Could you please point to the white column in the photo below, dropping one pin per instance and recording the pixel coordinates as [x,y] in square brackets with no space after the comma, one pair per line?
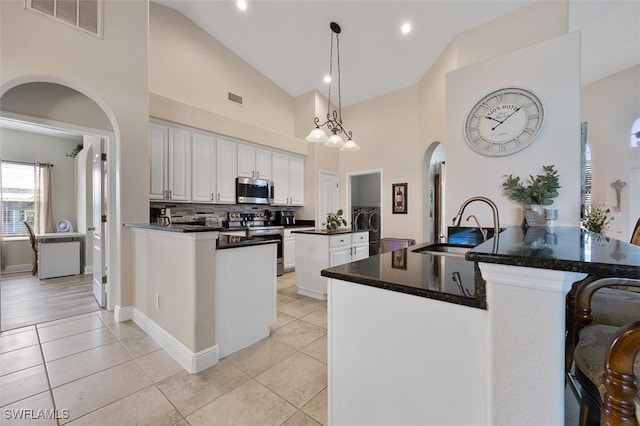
[526,331]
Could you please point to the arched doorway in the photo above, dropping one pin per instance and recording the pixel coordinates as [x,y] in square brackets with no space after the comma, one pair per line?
[433,192]
[54,104]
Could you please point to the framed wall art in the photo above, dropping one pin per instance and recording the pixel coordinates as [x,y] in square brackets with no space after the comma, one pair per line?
[399,197]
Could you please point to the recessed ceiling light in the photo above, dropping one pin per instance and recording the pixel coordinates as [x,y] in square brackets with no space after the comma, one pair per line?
[242,4]
[405,28]
[327,79]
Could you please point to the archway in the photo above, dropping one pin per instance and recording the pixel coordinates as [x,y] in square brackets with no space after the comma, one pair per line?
[433,192]
[58,104]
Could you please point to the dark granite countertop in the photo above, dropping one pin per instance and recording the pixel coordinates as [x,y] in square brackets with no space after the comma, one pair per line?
[176,227]
[325,232]
[230,241]
[419,274]
[562,249]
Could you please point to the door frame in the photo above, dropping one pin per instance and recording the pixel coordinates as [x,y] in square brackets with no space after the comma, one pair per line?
[348,204]
[113,284]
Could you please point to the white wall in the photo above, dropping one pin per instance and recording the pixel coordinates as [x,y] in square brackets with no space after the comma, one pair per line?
[551,70]
[112,71]
[610,106]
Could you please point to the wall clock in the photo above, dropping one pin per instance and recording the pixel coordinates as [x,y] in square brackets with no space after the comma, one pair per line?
[504,122]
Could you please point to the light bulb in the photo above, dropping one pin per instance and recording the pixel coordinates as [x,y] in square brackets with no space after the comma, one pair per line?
[405,28]
[242,4]
[327,79]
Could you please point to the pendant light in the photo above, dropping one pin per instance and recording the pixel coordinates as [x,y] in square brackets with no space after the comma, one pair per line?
[334,119]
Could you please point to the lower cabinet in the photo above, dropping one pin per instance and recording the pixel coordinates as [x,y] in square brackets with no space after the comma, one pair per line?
[290,247]
[318,251]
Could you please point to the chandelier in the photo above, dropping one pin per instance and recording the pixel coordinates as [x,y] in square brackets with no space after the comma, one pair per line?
[334,119]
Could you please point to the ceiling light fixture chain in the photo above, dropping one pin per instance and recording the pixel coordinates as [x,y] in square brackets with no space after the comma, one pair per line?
[334,119]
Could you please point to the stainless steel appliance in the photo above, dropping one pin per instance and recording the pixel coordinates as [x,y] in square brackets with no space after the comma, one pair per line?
[285,218]
[254,225]
[368,219]
[253,191]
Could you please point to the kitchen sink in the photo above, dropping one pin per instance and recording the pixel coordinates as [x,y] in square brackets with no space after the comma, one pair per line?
[445,249]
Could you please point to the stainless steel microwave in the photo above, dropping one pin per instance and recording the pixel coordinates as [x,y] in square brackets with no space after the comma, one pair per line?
[253,191]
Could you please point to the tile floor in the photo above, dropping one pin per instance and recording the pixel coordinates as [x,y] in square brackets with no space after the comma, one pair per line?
[94,371]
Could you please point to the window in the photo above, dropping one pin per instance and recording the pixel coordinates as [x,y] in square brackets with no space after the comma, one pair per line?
[83,14]
[18,201]
[635,134]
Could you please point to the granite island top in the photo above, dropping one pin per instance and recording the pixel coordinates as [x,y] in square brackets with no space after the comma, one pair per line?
[325,232]
[562,249]
[458,280]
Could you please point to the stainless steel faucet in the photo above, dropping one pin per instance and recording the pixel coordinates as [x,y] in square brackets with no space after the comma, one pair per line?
[482,230]
[494,209]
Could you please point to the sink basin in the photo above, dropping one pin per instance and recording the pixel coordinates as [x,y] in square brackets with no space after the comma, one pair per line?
[444,249]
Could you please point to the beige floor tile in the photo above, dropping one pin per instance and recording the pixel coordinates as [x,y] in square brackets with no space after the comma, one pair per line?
[317,349]
[146,407]
[261,356]
[18,339]
[297,379]
[298,334]
[100,389]
[289,291]
[182,422]
[22,384]
[318,318]
[68,328]
[140,345]
[248,404]
[282,319]
[31,407]
[317,407]
[284,299]
[73,367]
[159,365]
[300,419]
[300,307]
[125,329]
[190,392]
[66,346]
[66,319]
[20,359]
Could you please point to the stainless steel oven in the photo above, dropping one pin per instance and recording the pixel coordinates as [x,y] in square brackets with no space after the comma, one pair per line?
[273,233]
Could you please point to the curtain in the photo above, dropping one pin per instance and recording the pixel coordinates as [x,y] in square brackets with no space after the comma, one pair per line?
[42,193]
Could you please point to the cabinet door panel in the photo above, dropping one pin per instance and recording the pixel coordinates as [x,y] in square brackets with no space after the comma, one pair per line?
[179,165]
[263,164]
[226,171]
[280,178]
[296,180]
[340,256]
[158,161]
[203,168]
[246,161]
[289,252]
[360,251]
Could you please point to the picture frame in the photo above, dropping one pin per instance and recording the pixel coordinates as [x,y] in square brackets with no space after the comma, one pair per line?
[399,259]
[399,198]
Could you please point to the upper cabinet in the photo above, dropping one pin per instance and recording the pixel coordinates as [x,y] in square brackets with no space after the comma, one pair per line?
[196,166]
[288,179]
[254,162]
[170,157]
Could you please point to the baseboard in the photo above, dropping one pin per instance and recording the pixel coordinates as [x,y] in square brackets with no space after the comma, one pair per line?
[88,270]
[123,314]
[15,269]
[192,362]
[312,293]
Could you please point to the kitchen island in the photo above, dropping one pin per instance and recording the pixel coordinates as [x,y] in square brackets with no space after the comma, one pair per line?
[195,295]
[404,350]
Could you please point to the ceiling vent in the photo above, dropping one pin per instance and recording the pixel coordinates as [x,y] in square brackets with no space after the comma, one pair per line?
[236,99]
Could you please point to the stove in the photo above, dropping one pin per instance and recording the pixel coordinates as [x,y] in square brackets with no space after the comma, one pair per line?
[257,225]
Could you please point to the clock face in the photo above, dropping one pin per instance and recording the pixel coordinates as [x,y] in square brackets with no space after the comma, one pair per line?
[504,122]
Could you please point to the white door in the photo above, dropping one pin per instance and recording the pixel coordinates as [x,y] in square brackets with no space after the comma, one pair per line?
[99,223]
[329,195]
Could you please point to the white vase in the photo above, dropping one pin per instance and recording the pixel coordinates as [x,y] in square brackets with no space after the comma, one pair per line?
[535,215]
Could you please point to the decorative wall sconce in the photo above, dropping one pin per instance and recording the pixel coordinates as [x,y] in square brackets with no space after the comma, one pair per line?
[618,185]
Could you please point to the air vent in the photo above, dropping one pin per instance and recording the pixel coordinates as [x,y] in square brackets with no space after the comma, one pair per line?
[236,99]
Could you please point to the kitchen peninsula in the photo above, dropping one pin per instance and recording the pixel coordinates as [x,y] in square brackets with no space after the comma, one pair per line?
[491,352]
[195,294]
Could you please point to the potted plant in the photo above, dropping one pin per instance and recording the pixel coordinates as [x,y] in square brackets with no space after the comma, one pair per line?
[335,220]
[538,193]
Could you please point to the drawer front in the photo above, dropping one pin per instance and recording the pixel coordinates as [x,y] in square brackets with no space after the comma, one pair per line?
[339,240]
[360,237]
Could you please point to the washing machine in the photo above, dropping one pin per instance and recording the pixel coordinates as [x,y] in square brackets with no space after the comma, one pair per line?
[372,215]
[359,219]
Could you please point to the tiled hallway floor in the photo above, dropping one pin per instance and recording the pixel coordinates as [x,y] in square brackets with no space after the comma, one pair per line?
[95,371]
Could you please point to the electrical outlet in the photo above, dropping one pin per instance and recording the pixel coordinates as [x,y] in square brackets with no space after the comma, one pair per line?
[157,300]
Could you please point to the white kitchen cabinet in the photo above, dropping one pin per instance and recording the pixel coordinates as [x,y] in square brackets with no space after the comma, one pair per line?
[203,168]
[254,162]
[290,247]
[318,251]
[288,180]
[226,171]
[170,163]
